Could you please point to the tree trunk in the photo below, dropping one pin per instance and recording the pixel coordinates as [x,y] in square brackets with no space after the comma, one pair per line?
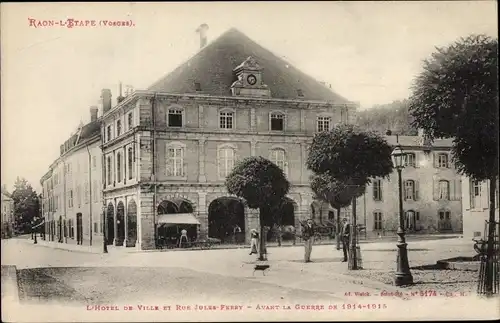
[353,257]
[338,228]
[491,239]
[262,244]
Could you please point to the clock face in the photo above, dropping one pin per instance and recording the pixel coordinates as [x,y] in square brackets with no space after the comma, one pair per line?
[251,79]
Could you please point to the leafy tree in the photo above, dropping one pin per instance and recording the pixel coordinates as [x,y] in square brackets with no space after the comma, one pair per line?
[456,96]
[263,185]
[334,192]
[26,205]
[351,157]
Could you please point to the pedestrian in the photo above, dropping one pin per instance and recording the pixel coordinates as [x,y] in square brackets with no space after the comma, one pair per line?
[346,234]
[236,230]
[183,237]
[308,231]
[254,238]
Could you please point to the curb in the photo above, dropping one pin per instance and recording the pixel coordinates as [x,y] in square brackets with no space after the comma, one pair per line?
[10,284]
[56,246]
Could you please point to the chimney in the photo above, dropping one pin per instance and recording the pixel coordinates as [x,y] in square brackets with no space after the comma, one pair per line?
[106,100]
[120,98]
[202,30]
[93,113]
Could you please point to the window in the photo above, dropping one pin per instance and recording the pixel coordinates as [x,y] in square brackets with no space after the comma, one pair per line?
[86,192]
[197,86]
[226,119]
[377,220]
[377,190]
[95,191]
[300,92]
[118,127]
[226,161]
[323,124]
[477,188]
[110,168]
[130,121]
[410,160]
[175,161]
[279,158]
[444,190]
[70,198]
[411,220]
[108,133]
[409,190]
[119,167]
[175,117]
[130,163]
[95,227]
[277,122]
[443,160]
[94,161]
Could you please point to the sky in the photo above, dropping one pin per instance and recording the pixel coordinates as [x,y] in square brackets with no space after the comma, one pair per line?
[368,51]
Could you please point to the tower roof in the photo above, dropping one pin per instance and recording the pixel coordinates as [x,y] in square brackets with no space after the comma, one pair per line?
[212,67]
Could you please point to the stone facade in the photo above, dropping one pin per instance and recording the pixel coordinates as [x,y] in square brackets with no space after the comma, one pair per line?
[432,193]
[475,203]
[151,175]
[72,189]
[7,215]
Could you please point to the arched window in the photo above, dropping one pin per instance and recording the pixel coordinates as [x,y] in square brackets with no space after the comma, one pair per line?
[278,156]
[444,190]
[175,160]
[226,119]
[119,167]
[226,156]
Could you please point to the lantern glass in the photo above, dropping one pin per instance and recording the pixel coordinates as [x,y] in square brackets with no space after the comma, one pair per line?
[398,157]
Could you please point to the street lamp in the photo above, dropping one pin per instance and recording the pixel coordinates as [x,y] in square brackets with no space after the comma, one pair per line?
[104,242]
[34,224]
[403,274]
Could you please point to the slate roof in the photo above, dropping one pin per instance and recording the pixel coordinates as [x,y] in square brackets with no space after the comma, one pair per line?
[415,141]
[213,66]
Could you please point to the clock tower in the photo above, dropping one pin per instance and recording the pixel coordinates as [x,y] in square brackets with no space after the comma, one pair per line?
[249,83]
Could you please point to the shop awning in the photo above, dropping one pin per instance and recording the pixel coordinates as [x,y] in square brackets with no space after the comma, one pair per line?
[177,218]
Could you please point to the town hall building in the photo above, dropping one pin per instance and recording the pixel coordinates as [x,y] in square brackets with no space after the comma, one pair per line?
[168,149]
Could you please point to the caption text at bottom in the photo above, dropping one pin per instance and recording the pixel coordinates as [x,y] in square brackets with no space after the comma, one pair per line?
[223,307]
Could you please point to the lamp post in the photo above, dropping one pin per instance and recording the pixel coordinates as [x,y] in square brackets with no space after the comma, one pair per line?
[403,274]
[34,224]
[104,236]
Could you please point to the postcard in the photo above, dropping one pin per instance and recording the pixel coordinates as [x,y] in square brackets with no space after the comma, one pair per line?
[248,161]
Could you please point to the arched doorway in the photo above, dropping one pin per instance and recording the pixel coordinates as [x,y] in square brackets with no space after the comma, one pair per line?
[169,233]
[131,224]
[285,220]
[226,220]
[120,224]
[110,230]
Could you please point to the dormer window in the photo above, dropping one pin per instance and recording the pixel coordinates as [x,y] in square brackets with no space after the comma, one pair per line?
[197,86]
[175,117]
[300,93]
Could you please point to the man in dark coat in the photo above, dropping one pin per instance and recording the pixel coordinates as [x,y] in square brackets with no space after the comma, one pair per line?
[345,235]
[308,230]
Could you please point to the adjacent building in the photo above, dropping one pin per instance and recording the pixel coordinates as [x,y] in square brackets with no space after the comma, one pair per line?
[476,206]
[168,149]
[432,192]
[72,191]
[7,214]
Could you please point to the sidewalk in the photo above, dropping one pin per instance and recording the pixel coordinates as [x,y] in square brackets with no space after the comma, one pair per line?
[69,246]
